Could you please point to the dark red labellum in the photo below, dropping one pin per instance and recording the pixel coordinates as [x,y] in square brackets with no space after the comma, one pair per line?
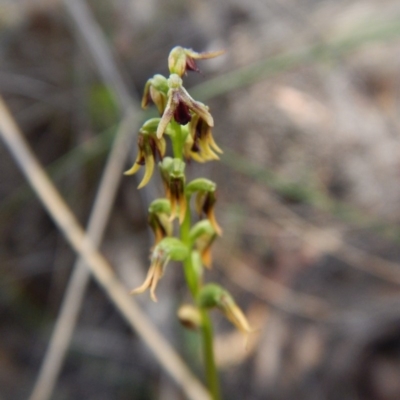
[181,114]
[191,65]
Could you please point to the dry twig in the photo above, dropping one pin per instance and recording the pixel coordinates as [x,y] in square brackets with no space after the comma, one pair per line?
[74,294]
[95,42]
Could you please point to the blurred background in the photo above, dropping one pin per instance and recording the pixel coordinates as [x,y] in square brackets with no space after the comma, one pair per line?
[306,106]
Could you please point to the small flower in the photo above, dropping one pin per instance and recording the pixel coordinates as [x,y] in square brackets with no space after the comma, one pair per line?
[159,219]
[213,295]
[205,202]
[150,148]
[168,249]
[205,199]
[156,89]
[173,176]
[200,144]
[159,261]
[181,60]
[181,106]
[202,235]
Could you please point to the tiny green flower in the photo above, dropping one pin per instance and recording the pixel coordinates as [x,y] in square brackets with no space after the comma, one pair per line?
[168,249]
[181,106]
[150,147]
[205,202]
[213,295]
[202,235]
[173,176]
[181,60]
[156,89]
[200,144]
[205,199]
[160,219]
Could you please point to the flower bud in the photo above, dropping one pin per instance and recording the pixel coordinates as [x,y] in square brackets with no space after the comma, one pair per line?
[189,316]
[181,60]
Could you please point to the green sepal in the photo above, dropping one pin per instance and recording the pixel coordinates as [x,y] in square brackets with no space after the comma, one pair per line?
[174,248]
[201,228]
[156,90]
[210,296]
[166,164]
[178,168]
[173,167]
[174,82]
[160,82]
[150,126]
[200,185]
[160,206]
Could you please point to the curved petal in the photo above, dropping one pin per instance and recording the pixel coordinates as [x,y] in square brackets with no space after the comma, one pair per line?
[147,282]
[135,168]
[146,94]
[214,145]
[166,117]
[149,165]
[196,106]
[204,55]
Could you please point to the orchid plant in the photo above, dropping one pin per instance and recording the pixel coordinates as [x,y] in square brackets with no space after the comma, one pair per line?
[188,124]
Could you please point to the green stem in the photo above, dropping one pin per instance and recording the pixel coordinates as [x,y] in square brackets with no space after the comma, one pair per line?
[177,140]
[190,274]
[194,282]
[208,354]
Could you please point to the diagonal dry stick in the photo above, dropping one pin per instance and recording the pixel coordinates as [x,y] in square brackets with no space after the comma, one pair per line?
[95,43]
[98,265]
[74,294]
